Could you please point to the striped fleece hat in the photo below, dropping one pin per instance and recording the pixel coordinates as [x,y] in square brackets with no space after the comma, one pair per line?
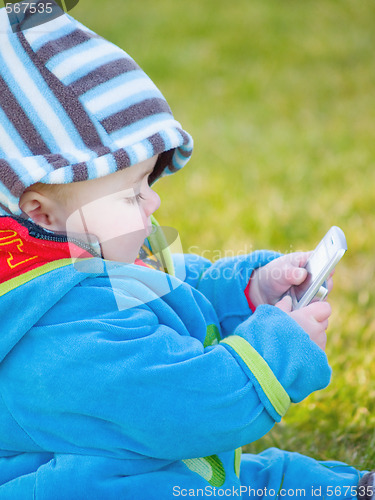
[74,107]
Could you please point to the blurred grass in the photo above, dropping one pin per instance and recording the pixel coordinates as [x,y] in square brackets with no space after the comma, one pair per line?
[279,97]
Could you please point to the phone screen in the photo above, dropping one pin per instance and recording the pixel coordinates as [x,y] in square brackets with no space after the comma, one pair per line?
[314,267]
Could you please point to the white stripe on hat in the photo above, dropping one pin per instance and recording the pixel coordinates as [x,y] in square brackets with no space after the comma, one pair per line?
[49,31]
[141,151]
[173,135]
[123,140]
[58,176]
[119,93]
[89,52]
[32,165]
[102,165]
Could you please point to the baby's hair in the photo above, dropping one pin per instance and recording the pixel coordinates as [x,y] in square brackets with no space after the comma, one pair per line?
[162,162]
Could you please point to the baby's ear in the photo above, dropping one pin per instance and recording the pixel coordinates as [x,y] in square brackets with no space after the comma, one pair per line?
[42,210]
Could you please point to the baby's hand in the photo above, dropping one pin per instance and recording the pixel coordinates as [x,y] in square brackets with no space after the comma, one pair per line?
[312,318]
[270,282]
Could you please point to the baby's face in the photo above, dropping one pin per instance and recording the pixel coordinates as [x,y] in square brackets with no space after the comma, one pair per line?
[116,209]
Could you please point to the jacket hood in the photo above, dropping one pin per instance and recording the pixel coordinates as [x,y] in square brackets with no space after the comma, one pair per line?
[74,107]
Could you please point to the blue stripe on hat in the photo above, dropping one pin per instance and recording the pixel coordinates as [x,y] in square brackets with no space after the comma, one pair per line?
[12,135]
[167,140]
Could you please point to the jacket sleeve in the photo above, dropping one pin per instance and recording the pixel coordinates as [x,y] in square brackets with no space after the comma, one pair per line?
[130,384]
[224,282]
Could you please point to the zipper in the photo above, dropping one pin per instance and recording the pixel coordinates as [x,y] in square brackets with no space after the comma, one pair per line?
[63,239]
[41,234]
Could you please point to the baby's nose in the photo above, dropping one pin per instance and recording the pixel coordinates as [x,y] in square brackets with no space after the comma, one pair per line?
[153,202]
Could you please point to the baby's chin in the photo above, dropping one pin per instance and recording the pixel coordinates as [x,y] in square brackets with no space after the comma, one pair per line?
[124,249]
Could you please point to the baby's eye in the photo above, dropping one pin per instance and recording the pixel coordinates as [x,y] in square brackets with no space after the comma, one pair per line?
[134,199]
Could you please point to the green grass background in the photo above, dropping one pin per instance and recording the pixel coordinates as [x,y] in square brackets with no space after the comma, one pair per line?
[279,97]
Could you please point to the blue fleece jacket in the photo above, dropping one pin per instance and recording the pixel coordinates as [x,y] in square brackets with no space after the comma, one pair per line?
[101,369]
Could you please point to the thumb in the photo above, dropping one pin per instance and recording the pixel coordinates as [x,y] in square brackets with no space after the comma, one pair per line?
[285,304]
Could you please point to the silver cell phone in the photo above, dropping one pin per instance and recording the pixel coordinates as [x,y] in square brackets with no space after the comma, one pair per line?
[319,266]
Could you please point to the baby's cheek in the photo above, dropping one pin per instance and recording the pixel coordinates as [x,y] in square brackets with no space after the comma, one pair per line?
[134,218]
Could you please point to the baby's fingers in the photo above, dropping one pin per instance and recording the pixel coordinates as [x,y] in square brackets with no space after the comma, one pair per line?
[299,259]
[320,311]
[290,268]
[285,304]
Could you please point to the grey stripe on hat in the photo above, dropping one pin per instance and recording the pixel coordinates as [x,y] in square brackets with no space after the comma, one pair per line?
[54,47]
[122,158]
[21,122]
[102,75]
[80,172]
[70,103]
[132,114]
[186,139]
[10,179]
[57,160]
[157,143]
